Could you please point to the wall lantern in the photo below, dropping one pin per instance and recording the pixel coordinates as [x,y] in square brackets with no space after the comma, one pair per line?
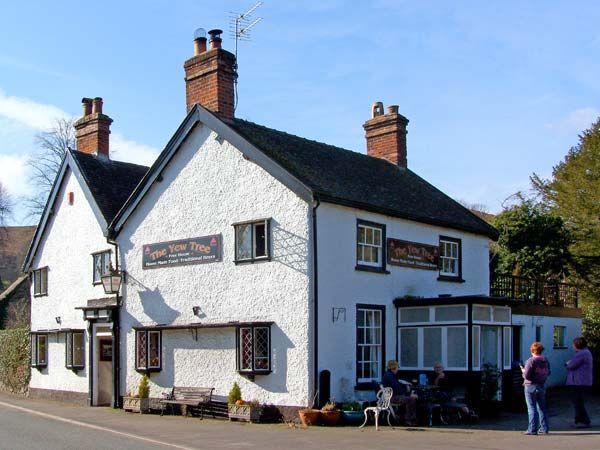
[112,281]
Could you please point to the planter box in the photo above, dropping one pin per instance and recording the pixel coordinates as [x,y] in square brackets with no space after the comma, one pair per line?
[135,404]
[245,413]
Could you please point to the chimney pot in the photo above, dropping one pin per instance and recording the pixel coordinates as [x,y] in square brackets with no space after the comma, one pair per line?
[376,109]
[386,134]
[393,109]
[199,41]
[87,106]
[215,38]
[97,105]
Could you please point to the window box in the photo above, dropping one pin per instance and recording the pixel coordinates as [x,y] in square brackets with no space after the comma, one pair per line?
[39,350]
[148,351]
[100,266]
[75,350]
[450,259]
[370,248]
[252,241]
[40,282]
[253,350]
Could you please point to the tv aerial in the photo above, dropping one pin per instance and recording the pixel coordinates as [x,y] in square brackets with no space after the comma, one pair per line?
[240,26]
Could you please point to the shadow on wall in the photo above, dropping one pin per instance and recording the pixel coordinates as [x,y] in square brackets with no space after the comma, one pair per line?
[153,303]
[289,249]
[276,381]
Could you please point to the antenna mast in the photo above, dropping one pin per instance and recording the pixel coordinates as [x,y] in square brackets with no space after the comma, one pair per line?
[240,26]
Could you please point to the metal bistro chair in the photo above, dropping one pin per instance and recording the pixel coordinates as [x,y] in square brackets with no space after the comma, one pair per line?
[384,398]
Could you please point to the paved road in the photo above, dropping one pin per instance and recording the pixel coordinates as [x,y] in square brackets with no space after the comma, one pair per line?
[36,424]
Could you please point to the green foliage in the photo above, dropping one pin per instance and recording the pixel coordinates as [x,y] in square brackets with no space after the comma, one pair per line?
[591,325]
[235,394]
[490,382]
[351,406]
[573,192]
[533,242]
[144,388]
[14,359]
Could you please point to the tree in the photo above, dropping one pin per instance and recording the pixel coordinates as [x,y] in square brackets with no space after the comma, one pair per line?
[573,193]
[6,205]
[45,163]
[533,242]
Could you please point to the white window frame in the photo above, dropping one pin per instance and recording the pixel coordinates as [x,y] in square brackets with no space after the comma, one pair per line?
[105,261]
[492,321]
[372,327]
[40,282]
[421,347]
[380,253]
[452,243]
[563,335]
[432,315]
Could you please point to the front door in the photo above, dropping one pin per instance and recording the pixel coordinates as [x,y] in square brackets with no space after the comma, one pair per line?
[105,372]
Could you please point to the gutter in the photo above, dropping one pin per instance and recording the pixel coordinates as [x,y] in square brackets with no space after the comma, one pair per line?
[315,301]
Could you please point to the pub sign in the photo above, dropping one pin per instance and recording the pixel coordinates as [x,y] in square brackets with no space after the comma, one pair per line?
[412,254]
[200,250]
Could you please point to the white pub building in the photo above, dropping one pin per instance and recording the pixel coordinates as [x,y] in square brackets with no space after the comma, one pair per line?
[249,255]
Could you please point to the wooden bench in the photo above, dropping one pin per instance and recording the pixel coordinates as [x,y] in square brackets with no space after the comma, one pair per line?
[195,397]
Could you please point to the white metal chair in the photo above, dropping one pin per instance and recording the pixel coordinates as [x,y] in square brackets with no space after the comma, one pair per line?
[384,398]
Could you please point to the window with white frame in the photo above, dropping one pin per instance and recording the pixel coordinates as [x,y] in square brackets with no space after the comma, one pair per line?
[40,282]
[75,350]
[476,347]
[39,350]
[100,265]
[252,241]
[450,257]
[507,347]
[254,349]
[559,337]
[369,342]
[148,350]
[491,314]
[433,314]
[370,249]
[422,347]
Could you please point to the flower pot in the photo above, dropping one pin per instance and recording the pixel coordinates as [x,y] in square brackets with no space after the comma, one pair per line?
[246,413]
[353,417]
[331,418]
[136,404]
[309,417]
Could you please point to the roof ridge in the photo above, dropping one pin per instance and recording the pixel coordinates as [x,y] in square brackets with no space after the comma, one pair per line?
[105,160]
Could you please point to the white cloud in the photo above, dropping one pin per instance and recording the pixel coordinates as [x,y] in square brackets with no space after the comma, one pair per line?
[12,174]
[28,112]
[576,121]
[123,149]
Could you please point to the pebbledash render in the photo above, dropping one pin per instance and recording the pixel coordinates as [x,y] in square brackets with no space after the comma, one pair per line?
[249,255]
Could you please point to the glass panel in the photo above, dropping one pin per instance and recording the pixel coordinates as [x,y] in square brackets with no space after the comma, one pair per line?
[377,318]
[450,313]
[41,349]
[78,349]
[105,263]
[97,268]
[408,347]
[457,347]
[361,234]
[245,349]
[141,350]
[261,348]
[359,252]
[432,346]
[368,317]
[489,346]
[507,347]
[154,349]
[377,237]
[501,314]
[369,235]
[482,313]
[33,349]
[69,348]
[243,243]
[476,343]
[360,317]
[260,240]
[411,315]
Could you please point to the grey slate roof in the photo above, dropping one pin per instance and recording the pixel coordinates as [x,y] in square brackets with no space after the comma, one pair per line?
[110,182]
[344,177]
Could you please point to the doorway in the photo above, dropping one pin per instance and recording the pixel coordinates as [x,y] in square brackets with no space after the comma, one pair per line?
[103,373]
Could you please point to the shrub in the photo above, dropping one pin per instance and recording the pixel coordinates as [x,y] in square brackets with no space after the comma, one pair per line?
[14,359]
[235,394]
[144,389]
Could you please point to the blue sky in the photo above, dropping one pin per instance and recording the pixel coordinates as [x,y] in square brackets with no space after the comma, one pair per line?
[493,90]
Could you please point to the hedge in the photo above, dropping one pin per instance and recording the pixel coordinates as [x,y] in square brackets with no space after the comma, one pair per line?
[14,360]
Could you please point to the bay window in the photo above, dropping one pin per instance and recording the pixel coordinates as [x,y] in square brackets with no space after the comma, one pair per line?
[148,350]
[254,349]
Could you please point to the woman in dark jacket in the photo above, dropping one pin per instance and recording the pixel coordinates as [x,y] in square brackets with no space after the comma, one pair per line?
[580,376]
[535,373]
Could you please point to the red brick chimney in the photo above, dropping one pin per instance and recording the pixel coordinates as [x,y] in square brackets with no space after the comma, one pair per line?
[386,134]
[93,129]
[210,75]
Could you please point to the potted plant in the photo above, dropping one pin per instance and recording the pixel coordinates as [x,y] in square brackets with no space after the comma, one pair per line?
[490,388]
[238,409]
[310,416]
[138,403]
[352,413]
[330,414]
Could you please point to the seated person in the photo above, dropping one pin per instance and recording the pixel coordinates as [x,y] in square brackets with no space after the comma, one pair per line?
[402,393]
[445,394]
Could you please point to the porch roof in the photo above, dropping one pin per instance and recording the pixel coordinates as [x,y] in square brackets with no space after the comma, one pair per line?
[196,325]
[402,302]
[56,331]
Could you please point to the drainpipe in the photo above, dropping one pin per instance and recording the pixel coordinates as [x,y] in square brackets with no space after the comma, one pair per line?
[315,299]
[116,355]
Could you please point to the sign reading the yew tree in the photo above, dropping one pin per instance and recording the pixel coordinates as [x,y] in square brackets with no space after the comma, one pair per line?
[412,254]
[198,250]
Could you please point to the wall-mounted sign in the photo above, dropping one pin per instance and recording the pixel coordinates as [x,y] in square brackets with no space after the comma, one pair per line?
[198,250]
[412,254]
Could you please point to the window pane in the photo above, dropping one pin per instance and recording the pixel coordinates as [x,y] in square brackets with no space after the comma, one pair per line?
[454,250]
[245,349]
[33,349]
[69,348]
[141,350]
[260,242]
[359,252]
[41,349]
[105,263]
[154,349]
[482,313]
[97,268]
[377,318]
[432,346]
[411,315]
[489,346]
[507,347]
[476,343]
[360,317]
[457,347]
[501,314]
[261,348]
[44,281]
[361,235]
[78,349]
[408,347]
[450,313]
[369,236]
[377,237]
[244,242]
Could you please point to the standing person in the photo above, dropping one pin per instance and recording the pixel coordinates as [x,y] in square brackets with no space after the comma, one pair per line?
[580,369]
[402,394]
[535,373]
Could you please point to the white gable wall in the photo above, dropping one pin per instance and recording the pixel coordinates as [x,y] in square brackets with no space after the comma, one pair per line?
[206,187]
[72,234]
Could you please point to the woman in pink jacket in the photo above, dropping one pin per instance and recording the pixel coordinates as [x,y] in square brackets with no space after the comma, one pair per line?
[580,369]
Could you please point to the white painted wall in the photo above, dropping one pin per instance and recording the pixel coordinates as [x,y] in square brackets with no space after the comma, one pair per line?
[207,187]
[557,356]
[71,236]
[340,285]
